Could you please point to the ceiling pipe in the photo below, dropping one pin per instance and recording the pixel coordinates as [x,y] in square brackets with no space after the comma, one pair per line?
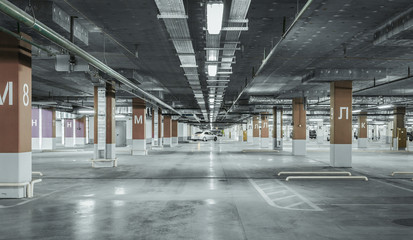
[264,62]
[20,37]
[21,16]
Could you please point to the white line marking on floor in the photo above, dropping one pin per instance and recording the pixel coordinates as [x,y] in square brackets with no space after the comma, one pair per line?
[282,198]
[33,199]
[294,204]
[270,193]
[316,208]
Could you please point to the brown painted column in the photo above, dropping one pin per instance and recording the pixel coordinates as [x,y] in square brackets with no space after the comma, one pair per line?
[160,128]
[256,129]
[167,131]
[174,132]
[277,132]
[341,132]
[362,133]
[15,115]
[399,130]
[138,126]
[299,127]
[110,121]
[265,131]
[96,124]
[104,127]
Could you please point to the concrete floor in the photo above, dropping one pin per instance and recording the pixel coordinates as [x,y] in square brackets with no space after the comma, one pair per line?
[213,190]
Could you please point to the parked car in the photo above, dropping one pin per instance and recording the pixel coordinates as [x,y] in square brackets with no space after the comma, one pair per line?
[217,133]
[204,136]
[313,134]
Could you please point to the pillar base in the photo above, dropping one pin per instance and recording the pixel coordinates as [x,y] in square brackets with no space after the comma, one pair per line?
[69,142]
[110,151]
[80,141]
[299,147]
[396,145]
[277,144]
[129,142]
[15,168]
[174,141]
[340,155]
[256,140]
[167,142]
[265,143]
[139,147]
[36,144]
[48,143]
[388,140]
[362,143]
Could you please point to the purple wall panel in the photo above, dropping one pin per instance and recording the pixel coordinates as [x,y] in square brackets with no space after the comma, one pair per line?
[80,128]
[68,127]
[35,123]
[47,123]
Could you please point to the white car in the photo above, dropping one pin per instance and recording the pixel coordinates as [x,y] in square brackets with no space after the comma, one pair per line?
[204,136]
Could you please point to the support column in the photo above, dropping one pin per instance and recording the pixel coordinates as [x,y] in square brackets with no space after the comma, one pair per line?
[110,121]
[129,130]
[299,128]
[48,124]
[80,131]
[240,133]
[36,133]
[15,115]
[265,132]
[249,131]
[277,132]
[389,133]
[256,129]
[104,127]
[399,131]
[68,132]
[167,124]
[362,134]
[341,133]
[138,127]
[320,132]
[174,132]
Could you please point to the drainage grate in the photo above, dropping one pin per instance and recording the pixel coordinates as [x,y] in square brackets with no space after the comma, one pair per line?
[404,222]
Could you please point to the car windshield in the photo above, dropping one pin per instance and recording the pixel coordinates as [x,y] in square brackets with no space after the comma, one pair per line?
[198,132]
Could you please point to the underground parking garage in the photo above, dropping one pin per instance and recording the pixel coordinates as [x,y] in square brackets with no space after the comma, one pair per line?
[206,119]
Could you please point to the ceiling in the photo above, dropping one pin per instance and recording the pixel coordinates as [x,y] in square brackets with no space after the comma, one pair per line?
[280,50]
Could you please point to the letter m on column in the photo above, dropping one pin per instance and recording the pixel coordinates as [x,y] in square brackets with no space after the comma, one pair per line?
[8,90]
[138,120]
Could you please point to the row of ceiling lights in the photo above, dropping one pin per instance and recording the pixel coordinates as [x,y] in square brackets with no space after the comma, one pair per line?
[215,12]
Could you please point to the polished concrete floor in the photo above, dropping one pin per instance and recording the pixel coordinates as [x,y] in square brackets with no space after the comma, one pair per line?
[214,190]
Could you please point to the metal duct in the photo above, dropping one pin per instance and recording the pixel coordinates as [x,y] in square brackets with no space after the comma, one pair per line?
[174,16]
[236,23]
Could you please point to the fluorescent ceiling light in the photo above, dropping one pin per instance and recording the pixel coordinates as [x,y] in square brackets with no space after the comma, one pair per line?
[120,116]
[86,111]
[384,106]
[211,100]
[316,119]
[212,70]
[215,11]
[356,111]
[213,55]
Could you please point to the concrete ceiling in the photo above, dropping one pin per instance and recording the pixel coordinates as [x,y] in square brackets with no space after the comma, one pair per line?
[369,42]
